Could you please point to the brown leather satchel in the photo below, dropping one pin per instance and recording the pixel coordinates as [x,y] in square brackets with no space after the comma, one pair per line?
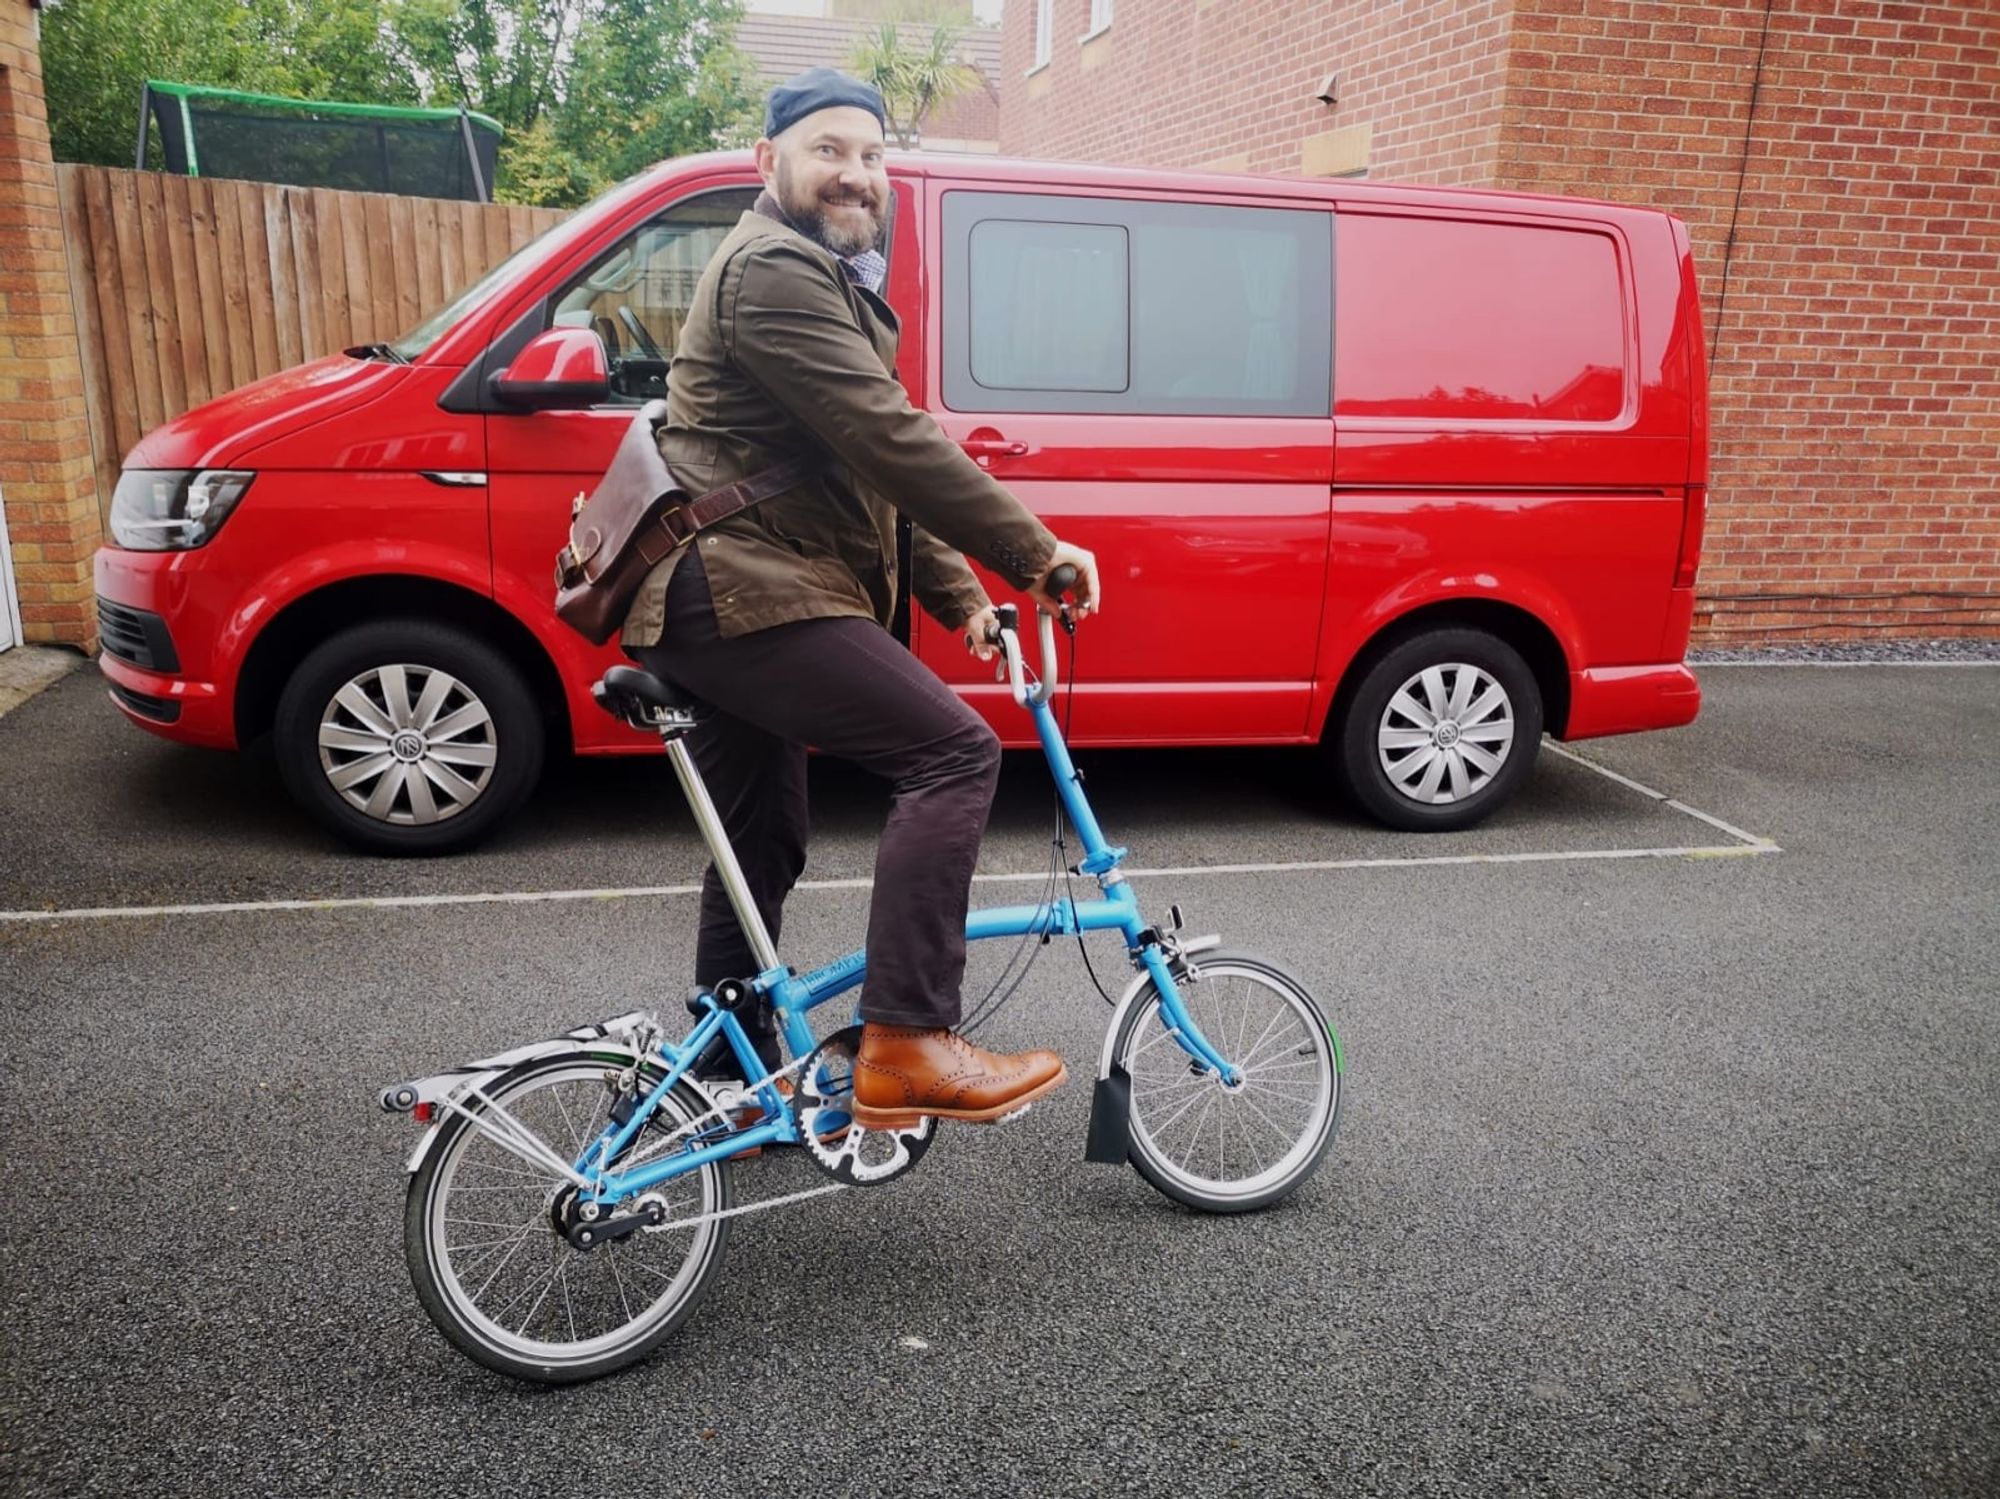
[639,513]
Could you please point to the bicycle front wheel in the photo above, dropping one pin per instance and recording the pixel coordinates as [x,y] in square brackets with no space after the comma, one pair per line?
[1220,1147]
[482,1230]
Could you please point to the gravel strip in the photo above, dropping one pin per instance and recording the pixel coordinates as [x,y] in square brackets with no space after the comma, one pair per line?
[1959,652]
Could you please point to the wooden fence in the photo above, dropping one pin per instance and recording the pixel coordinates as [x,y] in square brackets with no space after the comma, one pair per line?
[188,287]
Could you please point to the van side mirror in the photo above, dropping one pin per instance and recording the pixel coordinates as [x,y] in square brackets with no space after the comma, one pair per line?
[563,369]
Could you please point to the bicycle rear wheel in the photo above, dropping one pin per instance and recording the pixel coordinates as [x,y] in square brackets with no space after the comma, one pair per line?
[492,1269]
[1207,1144]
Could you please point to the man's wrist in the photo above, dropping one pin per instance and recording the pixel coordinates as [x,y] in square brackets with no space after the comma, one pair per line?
[969,615]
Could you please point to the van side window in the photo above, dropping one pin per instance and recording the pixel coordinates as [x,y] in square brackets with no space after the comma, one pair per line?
[637,295]
[1049,306]
[1118,306]
[1468,320]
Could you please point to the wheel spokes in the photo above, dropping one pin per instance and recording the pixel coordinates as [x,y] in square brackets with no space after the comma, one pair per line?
[522,1282]
[1232,1139]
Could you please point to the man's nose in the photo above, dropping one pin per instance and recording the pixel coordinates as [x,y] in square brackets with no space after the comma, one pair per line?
[853,176]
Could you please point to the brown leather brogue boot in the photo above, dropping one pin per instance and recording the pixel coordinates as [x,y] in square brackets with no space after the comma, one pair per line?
[904,1073]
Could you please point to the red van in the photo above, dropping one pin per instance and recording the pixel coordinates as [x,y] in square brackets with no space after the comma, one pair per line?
[1417,474]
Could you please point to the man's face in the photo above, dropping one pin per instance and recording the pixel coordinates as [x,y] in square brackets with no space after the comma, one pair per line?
[828,175]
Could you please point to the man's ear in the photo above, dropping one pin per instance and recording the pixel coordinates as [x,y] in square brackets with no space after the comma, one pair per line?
[767,159]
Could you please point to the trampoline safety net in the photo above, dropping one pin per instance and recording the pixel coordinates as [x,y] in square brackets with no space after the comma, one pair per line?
[428,153]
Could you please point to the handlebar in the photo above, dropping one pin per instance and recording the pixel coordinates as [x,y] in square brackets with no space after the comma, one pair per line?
[1005,633]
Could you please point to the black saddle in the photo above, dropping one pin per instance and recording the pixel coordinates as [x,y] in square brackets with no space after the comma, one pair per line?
[638,696]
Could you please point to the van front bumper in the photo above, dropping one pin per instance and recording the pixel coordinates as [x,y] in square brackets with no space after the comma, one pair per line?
[1627,699]
[154,649]
[172,707]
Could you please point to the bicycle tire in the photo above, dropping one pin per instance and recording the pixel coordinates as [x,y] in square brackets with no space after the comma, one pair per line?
[466,1169]
[1292,1071]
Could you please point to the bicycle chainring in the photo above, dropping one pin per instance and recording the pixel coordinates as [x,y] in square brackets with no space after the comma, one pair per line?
[844,1150]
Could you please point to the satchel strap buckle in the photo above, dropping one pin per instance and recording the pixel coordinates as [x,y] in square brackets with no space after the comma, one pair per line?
[678,524]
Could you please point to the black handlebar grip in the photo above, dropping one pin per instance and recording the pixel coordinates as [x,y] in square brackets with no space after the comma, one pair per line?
[1060,581]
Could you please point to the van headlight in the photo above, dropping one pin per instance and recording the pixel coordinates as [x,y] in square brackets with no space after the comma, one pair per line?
[173,509]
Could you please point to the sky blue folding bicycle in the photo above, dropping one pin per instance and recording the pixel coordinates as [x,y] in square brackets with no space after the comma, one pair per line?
[571,1199]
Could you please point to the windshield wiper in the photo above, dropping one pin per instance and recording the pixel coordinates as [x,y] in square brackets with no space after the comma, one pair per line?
[377,351]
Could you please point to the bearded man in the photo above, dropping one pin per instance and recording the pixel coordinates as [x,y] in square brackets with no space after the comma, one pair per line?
[777,618]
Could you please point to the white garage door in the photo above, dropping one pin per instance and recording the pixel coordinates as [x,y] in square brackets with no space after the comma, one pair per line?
[10,607]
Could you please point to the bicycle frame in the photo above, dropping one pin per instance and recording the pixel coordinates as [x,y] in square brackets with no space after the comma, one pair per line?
[794,996]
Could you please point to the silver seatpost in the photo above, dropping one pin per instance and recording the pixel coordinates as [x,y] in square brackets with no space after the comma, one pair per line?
[724,857]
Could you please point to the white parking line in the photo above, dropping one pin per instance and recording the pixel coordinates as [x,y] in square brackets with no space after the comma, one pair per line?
[1747,845]
[1760,844]
[645,892]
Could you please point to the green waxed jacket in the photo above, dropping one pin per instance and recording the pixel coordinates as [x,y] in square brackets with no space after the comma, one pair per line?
[782,354]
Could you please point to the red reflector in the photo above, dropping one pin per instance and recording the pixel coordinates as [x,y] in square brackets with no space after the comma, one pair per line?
[422,1113]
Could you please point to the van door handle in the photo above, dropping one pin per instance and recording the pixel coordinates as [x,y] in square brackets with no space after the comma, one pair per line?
[986,448]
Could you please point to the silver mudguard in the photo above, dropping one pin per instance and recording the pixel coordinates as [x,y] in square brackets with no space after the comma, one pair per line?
[1131,997]
[626,1037]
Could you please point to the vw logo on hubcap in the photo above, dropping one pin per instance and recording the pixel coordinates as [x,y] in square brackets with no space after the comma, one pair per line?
[1447,734]
[407,746]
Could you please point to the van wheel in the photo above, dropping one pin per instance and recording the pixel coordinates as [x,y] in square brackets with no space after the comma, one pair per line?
[408,737]
[1441,730]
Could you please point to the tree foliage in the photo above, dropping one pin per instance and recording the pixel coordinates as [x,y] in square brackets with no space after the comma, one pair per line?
[915,73]
[588,91]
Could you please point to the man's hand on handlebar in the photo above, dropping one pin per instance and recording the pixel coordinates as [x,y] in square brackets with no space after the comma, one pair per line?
[1071,571]
[981,633]
[1080,582]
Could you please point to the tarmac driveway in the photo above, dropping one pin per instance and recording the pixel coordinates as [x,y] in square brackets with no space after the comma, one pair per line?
[1669,1165]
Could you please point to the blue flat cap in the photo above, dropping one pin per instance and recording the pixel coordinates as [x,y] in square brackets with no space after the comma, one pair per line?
[816,89]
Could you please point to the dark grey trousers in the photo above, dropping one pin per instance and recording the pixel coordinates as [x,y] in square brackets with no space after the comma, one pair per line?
[848,688]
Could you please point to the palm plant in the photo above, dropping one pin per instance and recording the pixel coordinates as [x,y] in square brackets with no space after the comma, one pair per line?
[914,78]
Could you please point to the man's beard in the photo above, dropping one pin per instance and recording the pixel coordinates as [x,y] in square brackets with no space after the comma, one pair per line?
[808,215]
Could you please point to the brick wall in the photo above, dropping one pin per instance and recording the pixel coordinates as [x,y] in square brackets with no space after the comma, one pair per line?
[1186,83]
[1856,394]
[1856,383]
[45,470]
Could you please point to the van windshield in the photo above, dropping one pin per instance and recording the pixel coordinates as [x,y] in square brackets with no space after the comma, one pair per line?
[432,328]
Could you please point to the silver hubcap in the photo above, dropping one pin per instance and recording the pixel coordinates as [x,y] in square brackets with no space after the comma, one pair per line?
[1445,734]
[407,744]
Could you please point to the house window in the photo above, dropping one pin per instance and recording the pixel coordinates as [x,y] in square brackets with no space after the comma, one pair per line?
[1045,25]
[1100,17]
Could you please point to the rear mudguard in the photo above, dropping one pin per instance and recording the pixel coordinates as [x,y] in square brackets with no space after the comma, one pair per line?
[619,1042]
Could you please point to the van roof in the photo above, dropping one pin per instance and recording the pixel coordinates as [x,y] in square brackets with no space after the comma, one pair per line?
[968,166]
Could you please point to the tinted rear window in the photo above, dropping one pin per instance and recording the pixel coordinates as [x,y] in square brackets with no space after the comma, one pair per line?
[1137,306]
[1443,318]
